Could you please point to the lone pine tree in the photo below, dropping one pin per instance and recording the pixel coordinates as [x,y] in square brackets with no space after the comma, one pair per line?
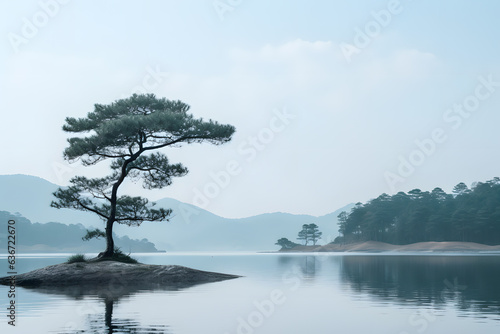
[129,133]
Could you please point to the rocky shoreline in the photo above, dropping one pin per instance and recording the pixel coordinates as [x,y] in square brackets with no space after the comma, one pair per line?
[116,274]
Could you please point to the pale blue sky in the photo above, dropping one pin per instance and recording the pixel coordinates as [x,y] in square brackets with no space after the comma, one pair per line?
[353,121]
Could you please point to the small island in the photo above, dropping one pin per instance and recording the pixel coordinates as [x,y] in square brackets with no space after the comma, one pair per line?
[126,276]
[128,133]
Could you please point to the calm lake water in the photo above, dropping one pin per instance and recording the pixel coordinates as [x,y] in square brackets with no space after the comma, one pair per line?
[279,293]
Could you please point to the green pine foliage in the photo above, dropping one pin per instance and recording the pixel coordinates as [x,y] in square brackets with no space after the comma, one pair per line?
[471,215]
[284,243]
[309,233]
[94,234]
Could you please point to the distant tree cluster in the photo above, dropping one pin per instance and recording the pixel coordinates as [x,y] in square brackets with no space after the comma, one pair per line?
[309,233]
[285,243]
[471,215]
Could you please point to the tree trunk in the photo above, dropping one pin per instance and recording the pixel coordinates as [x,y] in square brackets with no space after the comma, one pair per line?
[110,245]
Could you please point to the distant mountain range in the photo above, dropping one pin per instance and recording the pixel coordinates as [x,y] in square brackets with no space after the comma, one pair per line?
[190,229]
[57,237]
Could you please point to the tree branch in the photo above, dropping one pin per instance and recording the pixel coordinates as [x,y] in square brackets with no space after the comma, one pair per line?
[91,209]
[178,140]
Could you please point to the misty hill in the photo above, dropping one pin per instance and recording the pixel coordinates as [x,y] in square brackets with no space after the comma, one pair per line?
[31,196]
[57,237]
[190,229]
[197,230]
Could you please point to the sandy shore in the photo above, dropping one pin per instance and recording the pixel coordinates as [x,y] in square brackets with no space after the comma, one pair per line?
[377,247]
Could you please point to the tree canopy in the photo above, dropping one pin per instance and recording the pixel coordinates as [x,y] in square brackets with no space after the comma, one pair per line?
[309,233]
[129,132]
[466,215]
[285,243]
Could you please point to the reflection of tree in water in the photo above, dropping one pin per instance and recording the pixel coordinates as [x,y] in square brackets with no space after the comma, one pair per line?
[308,264]
[469,282]
[112,290]
[104,323]
[110,293]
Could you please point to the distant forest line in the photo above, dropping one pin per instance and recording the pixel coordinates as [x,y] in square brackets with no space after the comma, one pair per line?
[471,215]
[49,237]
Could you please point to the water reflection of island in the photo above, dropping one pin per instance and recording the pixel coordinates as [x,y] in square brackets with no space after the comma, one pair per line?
[468,282]
[110,295]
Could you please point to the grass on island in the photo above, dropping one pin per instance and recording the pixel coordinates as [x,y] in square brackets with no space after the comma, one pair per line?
[76,258]
[118,256]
